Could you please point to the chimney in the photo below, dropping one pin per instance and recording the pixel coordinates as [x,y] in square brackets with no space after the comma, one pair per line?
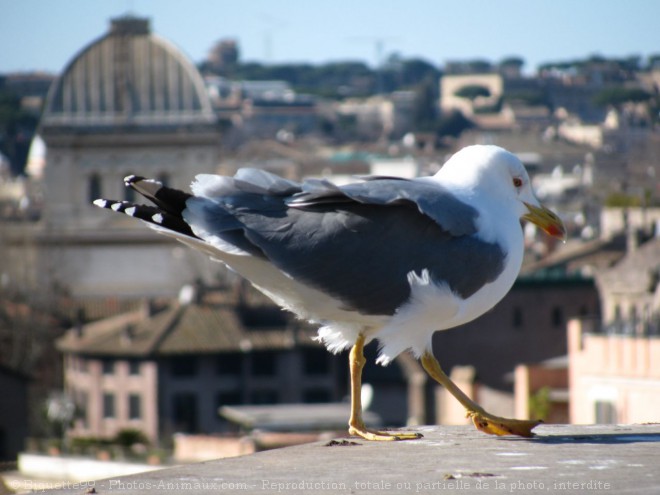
[127,335]
[148,308]
[632,239]
[79,326]
[192,293]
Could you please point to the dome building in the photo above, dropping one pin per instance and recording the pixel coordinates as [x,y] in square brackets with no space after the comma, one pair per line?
[130,102]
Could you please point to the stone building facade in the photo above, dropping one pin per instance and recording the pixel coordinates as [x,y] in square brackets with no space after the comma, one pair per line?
[128,103]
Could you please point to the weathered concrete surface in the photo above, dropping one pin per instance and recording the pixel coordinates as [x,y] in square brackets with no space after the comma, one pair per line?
[561,459]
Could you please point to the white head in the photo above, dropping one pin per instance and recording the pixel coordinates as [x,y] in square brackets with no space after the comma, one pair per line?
[498,174]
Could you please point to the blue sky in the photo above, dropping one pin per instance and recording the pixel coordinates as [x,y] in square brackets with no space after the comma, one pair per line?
[46,34]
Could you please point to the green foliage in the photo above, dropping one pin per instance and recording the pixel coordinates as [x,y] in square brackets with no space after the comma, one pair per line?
[530,97]
[414,70]
[472,91]
[16,129]
[486,109]
[128,437]
[516,62]
[618,96]
[425,112]
[622,200]
[453,124]
[337,79]
[540,404]
[88,444]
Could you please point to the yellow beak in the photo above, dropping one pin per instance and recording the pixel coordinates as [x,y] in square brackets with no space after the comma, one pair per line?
[545,219]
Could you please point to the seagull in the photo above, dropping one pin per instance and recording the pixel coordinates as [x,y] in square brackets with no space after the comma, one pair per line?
[384,258]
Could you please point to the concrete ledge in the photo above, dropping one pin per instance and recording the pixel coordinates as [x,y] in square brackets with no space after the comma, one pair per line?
[76,468]
[562,458]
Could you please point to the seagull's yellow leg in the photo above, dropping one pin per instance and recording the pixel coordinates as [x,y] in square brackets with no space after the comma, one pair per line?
[356,424]
[484,421]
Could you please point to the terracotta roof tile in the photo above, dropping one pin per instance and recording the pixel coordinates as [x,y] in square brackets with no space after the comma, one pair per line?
[180,329]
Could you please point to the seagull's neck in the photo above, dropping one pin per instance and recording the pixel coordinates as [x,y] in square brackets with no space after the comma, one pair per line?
[494,214]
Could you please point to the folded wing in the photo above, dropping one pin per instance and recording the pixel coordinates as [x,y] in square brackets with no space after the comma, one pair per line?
[357,243]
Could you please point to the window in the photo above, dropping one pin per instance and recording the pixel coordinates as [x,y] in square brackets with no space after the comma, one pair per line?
[316,361]
[108,367]
[164,178]
[95,191]
[315,396]
[81,404]
[633,314]
[605,412]
[264,396]
[517,317]
[129,193]
[264,363]
[229,364]
[184,366]
[134,367]
[557,317]
[108,405]
[134,406]
[184,412]
[228,398]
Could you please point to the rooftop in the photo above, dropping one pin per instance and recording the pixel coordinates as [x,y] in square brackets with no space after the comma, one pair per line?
[128,76]
[211,324]
[561,458]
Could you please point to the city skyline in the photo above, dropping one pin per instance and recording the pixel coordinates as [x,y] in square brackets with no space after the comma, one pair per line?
[45,36]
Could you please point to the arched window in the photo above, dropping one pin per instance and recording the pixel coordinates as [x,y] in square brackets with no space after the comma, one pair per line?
[164,178]
[94,189]
[129,193]
[557,317]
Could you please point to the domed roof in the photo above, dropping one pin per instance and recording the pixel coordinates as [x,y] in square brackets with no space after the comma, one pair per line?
[128,76]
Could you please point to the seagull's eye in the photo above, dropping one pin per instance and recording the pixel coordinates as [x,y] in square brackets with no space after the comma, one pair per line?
[517,182]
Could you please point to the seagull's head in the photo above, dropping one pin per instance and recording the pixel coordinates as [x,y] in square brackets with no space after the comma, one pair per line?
[493,172]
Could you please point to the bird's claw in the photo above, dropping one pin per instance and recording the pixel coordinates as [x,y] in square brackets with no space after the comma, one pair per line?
[494,425]
[382,436]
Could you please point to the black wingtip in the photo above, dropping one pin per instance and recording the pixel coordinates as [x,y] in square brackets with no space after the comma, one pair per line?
[149,214]
[132,179]
[170,200]
[149,188]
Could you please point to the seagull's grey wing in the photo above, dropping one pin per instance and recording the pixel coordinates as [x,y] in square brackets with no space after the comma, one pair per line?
[212,212]
[359,248]
[431,199]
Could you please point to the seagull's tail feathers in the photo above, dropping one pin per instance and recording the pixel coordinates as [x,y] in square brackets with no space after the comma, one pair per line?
[170,200]
[156,217]
[167,214]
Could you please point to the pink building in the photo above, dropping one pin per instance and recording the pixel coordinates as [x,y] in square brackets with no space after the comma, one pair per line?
[169,369]
[614,378]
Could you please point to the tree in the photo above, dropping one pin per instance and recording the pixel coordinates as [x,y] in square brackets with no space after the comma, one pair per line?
[425,112]
[516,62]
[415,70]
[618,96]
[453,124]
[16,130]
[472,92]
[511,66]
[530,97]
